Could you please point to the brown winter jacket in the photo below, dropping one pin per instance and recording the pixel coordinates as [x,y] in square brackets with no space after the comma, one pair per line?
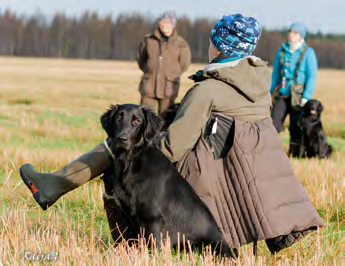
[162,62]
[252,190]
[238,91]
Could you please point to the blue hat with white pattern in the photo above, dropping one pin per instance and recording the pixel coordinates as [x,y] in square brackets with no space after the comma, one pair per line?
[236,36]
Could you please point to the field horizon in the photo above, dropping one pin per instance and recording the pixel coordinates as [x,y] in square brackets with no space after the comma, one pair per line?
[49,115]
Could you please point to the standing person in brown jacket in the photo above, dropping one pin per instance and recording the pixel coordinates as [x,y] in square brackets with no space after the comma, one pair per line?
[163,56]
[225,145]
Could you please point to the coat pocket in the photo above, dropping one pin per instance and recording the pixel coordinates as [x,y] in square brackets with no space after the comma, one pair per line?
[146,86]
[172,86]
[296,95]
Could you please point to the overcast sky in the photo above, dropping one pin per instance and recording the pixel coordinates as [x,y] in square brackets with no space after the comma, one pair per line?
[325,16]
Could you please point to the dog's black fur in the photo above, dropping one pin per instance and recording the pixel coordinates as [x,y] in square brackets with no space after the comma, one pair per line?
[314,140]
[148,190]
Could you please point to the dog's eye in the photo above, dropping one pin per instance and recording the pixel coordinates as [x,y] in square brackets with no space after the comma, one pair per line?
[118,119]
[136,122]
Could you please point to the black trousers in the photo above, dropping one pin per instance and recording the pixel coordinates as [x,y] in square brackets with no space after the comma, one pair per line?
[281,108]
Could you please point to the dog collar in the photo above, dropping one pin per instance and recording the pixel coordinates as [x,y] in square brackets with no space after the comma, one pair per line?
[107,196]
[314,123]
[108,149]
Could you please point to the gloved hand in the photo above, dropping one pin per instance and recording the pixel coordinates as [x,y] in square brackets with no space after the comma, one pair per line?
[303,102]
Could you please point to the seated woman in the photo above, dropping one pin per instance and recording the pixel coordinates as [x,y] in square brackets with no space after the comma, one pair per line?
[251,190]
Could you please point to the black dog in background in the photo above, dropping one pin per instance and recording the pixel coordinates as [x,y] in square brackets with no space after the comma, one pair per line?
[313,139]
[148,192]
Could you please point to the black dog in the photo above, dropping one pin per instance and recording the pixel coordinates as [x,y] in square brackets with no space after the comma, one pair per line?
[314,140]
[148,189]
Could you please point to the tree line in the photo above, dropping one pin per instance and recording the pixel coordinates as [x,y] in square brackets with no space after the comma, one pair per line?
[106,37]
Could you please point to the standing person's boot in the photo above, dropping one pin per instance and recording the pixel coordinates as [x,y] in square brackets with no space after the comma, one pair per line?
[48,188]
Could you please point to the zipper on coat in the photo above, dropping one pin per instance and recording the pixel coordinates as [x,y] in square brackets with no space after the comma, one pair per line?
[160,58]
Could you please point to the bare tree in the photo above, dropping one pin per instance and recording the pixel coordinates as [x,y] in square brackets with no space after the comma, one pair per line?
[92,36]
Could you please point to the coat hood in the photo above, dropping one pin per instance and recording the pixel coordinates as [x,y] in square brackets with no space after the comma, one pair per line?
[249,76]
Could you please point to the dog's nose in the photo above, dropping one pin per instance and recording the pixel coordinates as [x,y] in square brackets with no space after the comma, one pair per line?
[122,138]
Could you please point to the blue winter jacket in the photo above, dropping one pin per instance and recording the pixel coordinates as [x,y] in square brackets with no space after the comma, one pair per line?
[306,74]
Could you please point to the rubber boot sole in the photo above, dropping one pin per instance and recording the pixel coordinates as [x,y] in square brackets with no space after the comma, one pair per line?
[39,197]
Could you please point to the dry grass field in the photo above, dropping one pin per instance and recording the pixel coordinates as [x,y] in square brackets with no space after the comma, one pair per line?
[49,115]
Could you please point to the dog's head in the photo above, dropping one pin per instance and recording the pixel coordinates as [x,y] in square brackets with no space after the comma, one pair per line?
[311,113]
[130,125]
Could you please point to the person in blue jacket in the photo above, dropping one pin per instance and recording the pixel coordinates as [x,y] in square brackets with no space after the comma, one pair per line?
[292,53]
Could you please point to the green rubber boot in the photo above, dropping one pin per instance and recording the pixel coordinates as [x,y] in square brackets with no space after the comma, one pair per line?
[48,188]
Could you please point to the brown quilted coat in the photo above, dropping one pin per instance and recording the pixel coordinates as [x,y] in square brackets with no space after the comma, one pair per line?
[252,192]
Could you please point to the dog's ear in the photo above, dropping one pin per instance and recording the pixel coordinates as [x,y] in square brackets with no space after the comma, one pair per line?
[319,108]
[106,119]
[154,123]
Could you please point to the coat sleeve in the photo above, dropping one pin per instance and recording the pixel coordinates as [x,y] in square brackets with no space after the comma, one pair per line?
[191,118]
[185,56]
[276,79]
[311,71]
[142,56]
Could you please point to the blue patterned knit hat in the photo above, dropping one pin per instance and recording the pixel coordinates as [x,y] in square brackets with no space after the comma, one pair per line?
[236,36]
